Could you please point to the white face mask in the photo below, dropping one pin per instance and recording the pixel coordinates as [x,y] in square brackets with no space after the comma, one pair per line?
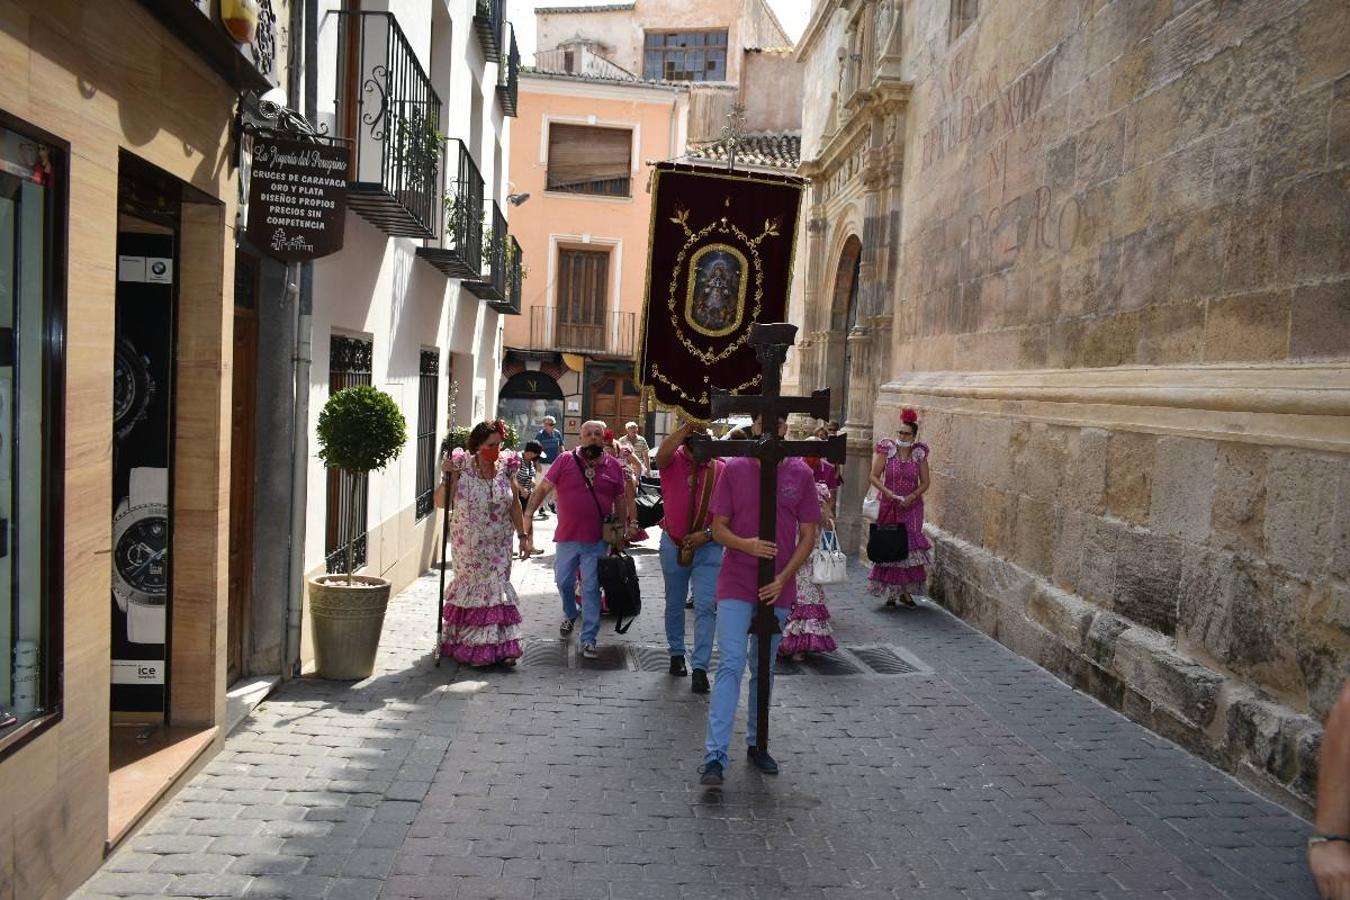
[905,444]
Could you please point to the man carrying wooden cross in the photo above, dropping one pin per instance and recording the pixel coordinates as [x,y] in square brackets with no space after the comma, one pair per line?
[765,513]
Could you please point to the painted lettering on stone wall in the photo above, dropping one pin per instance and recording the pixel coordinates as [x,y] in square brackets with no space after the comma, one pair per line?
[984,109]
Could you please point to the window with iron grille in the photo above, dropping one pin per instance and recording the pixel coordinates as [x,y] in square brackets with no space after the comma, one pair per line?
[349,364]
[685,56]
[426,431]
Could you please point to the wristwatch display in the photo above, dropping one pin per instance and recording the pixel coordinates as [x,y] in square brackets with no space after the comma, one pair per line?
[132,387]
[141,555]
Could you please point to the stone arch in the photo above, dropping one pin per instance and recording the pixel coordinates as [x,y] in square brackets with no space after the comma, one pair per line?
[841,313]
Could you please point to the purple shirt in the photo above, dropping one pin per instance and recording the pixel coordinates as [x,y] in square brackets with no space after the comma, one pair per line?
[578,519]
[827,474]
[676,492]
[737,497]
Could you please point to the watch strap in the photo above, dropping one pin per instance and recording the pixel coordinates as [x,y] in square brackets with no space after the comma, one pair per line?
[145,623]
[1314,839]
[149,485]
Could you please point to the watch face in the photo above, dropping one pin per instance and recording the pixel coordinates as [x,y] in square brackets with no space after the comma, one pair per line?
[142,556]
[132,387]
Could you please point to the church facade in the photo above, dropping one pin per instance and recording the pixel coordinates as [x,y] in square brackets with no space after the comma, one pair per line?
[1101,248]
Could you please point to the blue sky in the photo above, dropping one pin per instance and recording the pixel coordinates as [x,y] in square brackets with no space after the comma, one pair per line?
[794,15]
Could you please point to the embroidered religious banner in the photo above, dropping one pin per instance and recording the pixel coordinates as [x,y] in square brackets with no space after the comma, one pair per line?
[720,260]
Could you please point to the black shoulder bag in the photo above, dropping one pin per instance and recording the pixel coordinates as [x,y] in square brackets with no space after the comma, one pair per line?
[618,576]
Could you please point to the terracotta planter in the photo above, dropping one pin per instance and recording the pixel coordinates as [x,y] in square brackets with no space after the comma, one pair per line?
[347,619]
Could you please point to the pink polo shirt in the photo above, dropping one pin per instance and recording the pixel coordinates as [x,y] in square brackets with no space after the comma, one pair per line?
[677,493]
[578,518]
[737,497]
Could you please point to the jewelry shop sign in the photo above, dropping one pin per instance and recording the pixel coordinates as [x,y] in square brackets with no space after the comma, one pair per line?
[297,198]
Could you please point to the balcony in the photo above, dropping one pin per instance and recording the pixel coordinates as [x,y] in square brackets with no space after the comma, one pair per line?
[387,109]
[459,253]
[515,275]
[508,78]
[488,18]
[493,288]
[605,333]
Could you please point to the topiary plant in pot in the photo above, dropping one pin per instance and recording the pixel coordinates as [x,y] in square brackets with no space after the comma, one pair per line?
[360,430]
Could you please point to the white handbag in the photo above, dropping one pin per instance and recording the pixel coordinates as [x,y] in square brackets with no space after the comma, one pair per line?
[829,565]
[871,508]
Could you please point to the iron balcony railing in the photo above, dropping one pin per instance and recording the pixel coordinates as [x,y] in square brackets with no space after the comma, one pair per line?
[510,306]
[508,77]
[606,333]
[388,110]
[459,253]
[488,17]
[492,288]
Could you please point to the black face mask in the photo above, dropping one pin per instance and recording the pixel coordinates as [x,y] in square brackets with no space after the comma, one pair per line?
[592,451]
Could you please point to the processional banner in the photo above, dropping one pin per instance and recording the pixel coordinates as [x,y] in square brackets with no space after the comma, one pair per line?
[720,260]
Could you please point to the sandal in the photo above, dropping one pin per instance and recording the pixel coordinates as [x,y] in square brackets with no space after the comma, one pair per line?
[511,661]
[890,601]
[907,600]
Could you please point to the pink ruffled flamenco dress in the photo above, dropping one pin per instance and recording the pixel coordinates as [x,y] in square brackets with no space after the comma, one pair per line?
[808,628]
[482,614]
[895,582]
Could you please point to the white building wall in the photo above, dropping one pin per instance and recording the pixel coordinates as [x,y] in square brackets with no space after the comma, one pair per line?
[377,288]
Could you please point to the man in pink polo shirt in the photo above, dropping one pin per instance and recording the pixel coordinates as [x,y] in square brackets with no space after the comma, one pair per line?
[590,486]
[684,482]
[735,509]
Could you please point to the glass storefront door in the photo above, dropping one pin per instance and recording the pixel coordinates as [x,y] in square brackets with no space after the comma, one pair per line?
[28,172]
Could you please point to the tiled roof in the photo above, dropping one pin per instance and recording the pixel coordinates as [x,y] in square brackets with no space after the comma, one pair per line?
[587,9]
[767,149]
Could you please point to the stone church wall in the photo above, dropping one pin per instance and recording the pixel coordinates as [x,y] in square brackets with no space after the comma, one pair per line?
[1124,315]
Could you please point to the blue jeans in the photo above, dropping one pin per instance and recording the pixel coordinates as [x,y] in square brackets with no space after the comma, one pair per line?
[573,555]
[733,623]
[702,575]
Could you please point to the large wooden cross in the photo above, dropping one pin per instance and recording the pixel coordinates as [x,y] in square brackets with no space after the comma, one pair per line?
[771,343]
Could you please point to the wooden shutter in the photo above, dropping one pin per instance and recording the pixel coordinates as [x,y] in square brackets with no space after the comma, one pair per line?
[583,277]
[579,156]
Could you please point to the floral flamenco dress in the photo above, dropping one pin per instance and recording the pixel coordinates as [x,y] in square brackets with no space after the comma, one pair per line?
[808,628]
[481,618]
[892,581]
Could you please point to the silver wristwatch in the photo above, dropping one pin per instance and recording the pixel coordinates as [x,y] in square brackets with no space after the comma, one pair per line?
[140,542]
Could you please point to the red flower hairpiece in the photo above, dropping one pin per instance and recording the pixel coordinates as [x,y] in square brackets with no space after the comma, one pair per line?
[499,426]
[908,416]
[609,436]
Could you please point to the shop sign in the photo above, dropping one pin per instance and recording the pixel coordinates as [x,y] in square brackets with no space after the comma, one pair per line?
[297,198]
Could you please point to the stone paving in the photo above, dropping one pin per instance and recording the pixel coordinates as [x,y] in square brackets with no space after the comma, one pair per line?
[977,776]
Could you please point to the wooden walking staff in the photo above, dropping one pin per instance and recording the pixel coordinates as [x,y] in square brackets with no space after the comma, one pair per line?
[771,343]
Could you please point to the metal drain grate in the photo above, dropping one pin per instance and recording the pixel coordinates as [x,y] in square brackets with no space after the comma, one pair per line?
[834,663]
[868,661]
[884,661]
[545,653]
[651,659]
[611,657]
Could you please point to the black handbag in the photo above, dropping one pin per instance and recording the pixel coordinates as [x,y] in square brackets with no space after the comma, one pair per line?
[887,543]
[650,508]
[619,581]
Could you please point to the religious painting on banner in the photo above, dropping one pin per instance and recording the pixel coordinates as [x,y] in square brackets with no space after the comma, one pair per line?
[720,260]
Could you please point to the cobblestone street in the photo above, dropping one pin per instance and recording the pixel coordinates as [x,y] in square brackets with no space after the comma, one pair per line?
[975,776]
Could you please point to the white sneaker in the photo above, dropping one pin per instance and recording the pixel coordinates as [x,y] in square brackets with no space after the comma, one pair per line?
[588,651]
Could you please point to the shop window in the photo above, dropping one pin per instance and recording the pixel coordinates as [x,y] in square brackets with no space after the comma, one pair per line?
[31,448]
[427,375]
[685,56]
[963,15]
[349,364]
[584,159]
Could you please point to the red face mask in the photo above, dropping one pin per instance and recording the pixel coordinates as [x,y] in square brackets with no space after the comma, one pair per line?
[489,454]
